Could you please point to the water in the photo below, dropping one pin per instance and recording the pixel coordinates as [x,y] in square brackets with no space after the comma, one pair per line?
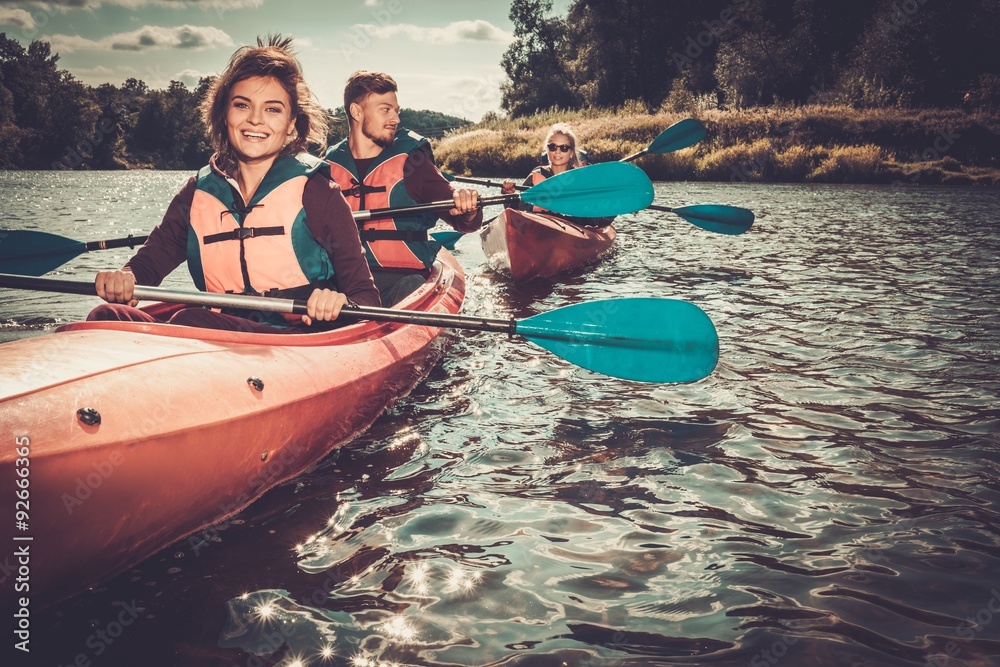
[829,496]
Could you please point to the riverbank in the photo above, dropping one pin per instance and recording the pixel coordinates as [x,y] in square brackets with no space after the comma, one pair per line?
[817,144]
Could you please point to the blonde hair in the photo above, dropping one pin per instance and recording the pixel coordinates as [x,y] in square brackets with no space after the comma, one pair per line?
[564,129]
[272,59]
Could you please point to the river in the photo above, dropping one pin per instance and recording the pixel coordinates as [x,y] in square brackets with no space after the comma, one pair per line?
[830,495]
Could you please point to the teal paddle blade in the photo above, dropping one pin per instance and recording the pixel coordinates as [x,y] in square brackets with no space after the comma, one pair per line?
[717,218]
[646,339]
[596,191]
[32,253]
[680,135]
[447,239]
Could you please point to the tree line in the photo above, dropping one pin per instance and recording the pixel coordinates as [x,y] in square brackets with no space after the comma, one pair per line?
[51,120]
[732,54]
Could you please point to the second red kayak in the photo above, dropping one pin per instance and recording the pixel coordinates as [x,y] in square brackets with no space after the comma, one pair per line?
[535,245]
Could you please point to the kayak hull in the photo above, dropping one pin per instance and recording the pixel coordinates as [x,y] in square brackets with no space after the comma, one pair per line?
[532,245]
[194,425]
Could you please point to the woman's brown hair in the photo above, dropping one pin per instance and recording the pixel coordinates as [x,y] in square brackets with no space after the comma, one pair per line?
[273,59]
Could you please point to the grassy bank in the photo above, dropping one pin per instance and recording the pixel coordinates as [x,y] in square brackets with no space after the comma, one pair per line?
[821,144]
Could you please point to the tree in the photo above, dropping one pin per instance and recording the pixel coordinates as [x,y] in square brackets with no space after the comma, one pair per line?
[109,150]
[922,53]
[537,75]
[54,112]
[825,35]
[10,133]
[621,50]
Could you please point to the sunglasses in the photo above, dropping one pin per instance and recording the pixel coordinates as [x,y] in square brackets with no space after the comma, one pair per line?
[562,147]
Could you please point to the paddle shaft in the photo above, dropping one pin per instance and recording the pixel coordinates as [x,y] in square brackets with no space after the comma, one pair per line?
[498,184]
[359,216]
[634,156]
[432,207]
[487,183]
[127,242]
[249,302]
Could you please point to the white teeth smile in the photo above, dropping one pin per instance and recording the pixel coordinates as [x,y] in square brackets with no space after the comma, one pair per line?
[254,135]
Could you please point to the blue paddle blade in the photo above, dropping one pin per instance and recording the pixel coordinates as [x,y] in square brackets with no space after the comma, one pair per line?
[596,191]
[680,135]
[646,339]
[717,218]
[447,239]
[33,253]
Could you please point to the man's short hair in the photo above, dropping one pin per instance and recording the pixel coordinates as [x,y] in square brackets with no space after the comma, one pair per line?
[363,83]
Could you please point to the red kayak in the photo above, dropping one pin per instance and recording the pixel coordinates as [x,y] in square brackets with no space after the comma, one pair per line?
[534,245]
[133,436]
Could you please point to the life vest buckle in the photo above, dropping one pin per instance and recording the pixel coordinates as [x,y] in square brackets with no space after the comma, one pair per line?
[362,189]
[240,233]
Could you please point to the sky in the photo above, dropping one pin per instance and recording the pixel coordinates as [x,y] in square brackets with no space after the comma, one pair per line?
[445,55]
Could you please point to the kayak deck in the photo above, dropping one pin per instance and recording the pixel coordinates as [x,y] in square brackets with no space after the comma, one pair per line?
[534,245]
[194,424]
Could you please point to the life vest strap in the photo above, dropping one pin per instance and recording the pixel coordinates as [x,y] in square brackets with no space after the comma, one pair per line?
[241,233]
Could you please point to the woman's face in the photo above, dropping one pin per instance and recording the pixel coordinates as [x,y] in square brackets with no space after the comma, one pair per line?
[557,157]
[259,121]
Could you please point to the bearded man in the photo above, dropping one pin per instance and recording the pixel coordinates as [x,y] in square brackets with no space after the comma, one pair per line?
[380,165]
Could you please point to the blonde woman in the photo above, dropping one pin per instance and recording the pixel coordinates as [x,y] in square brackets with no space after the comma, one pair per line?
[560,147]
[563,153]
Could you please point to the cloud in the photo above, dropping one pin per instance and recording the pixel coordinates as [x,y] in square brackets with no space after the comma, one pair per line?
[190,77]
[70,43]
[18,18]
[147,38]
[99,71]
[177,37]
[459,31]
[466,96]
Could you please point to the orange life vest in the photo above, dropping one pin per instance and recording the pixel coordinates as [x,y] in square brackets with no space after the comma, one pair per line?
[400,242]
[262,246]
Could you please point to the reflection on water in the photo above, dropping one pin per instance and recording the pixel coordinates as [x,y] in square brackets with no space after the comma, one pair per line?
[829,496]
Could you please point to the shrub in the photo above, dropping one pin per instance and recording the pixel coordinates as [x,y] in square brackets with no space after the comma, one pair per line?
[741,162]
[849,164]
[796,163]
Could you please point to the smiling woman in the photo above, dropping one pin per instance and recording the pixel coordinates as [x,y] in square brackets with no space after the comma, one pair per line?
[239,223]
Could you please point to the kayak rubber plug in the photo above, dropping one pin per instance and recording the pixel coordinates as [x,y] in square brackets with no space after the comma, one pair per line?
[256,383]
[89,416]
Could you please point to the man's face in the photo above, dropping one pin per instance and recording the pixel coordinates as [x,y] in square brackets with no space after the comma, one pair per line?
[379,117]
